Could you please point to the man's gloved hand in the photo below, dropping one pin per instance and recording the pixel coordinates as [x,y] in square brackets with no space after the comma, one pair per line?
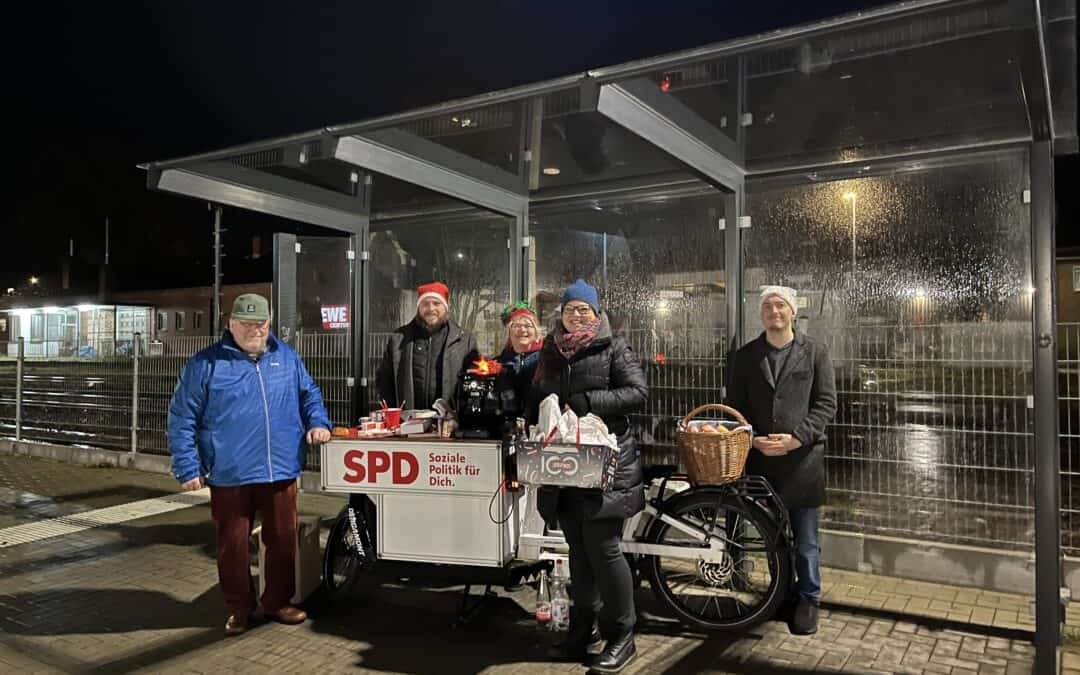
[579,403]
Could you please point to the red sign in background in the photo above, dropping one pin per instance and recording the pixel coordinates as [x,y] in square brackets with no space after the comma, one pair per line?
[335,317]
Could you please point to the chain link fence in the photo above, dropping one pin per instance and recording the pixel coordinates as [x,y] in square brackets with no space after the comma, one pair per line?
[121,401]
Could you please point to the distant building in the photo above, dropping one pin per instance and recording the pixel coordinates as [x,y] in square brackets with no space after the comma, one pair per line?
[1068,285]
[76,326]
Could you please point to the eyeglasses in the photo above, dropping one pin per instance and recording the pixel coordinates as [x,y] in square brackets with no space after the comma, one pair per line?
[522,326]
[584,310]
[253,326]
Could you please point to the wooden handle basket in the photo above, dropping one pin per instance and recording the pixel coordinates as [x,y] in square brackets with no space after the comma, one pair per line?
[714,458]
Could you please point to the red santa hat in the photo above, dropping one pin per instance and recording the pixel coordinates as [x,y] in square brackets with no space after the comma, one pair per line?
[433,290]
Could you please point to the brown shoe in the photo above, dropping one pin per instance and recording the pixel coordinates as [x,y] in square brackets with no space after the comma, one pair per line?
[236,624]
[288,614]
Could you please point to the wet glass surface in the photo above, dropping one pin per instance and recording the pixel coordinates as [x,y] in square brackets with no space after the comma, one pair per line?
[657,261]
[466,250]
[919,283]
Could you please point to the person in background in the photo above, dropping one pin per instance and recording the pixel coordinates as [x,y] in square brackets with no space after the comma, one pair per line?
[593,371]
[241,419]
[518,359]
[425,358]
[783,383]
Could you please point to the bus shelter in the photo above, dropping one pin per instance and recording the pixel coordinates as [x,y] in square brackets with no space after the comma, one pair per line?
[895,166]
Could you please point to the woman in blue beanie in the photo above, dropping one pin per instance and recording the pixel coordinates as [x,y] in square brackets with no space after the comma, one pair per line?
[594,371]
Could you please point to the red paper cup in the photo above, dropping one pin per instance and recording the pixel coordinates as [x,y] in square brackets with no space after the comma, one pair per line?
[393,418]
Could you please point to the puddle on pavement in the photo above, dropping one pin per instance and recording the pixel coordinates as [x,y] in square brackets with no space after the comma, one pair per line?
[30,506]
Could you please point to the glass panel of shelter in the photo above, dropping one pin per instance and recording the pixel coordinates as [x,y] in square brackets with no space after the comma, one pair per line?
[918,279]
[896,86]
[450,241]
[324,306]
[611,208]
[491,134]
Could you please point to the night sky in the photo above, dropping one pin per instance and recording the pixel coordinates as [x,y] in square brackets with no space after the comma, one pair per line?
[94,88]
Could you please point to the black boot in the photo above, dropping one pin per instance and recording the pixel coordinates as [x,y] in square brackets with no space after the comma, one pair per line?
[805,619]
[617,653]
[582,639]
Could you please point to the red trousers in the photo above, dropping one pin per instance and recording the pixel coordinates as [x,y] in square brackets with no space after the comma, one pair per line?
[233,510]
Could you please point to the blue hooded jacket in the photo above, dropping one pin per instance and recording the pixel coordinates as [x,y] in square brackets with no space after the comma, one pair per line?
[237,421]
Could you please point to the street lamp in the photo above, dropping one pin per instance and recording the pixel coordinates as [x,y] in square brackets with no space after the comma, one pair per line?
[852,197]
[34,281]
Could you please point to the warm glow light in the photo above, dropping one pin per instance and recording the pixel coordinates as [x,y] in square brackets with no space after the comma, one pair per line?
[485,367]
[552,171]
[34,281]
[848,196]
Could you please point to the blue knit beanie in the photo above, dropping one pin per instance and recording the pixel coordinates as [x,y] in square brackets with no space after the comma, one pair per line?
[579,290]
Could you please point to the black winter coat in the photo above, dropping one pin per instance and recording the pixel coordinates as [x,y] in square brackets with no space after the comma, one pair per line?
[515,380]
[801,403]
[394,377]
[604,379]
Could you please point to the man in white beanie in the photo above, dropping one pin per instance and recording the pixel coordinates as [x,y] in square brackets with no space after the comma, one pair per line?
[783,382]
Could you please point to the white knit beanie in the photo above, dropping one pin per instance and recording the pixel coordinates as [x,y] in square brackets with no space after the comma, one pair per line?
[788,295]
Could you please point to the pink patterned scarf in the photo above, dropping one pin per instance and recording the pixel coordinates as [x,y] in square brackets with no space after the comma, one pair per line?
[570,344]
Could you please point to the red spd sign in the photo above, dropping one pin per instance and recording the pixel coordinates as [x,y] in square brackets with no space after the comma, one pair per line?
[380,466]
[335,317]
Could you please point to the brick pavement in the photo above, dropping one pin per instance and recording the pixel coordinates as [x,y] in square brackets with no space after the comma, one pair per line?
[142,596]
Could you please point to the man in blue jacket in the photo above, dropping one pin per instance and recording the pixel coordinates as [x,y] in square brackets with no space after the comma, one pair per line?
[243,414]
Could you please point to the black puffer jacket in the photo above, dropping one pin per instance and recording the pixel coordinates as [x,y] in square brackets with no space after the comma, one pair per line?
[604,379]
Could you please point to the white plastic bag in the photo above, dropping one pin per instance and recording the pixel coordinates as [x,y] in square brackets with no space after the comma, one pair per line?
[548,418]
[593,431]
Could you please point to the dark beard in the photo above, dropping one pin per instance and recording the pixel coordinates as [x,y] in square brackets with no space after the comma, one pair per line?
[430,328]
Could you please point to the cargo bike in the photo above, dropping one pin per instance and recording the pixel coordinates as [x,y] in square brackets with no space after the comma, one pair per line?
[713,544]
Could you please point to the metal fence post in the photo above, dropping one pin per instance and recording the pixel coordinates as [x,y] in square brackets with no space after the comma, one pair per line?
[137,339]
[18,387]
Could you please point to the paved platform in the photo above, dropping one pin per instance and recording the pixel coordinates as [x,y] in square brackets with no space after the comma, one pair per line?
[141,596]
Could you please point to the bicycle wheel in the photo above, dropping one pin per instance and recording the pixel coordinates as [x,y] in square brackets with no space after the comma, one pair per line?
[741,591]
[345,557]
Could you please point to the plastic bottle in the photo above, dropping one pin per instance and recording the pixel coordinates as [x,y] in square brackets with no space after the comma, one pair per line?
[560,601]
[543,601]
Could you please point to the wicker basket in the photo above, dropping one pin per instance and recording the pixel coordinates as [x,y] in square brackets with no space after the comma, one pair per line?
[714,457]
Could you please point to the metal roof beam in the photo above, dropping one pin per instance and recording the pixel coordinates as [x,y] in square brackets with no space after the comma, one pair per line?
[663,120]
[1034,75]
[416,160]
[225,183]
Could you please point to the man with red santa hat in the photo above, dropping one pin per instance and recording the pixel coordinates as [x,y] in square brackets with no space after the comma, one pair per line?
[425,357]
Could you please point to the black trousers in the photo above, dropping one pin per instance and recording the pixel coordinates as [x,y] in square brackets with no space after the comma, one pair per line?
[600,578]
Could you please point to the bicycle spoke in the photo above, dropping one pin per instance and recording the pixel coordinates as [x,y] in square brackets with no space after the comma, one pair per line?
[736,589]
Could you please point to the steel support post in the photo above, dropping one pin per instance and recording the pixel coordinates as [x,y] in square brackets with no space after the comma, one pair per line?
[1048,600]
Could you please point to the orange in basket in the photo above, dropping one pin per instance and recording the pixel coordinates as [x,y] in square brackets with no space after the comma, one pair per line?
[713,456]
